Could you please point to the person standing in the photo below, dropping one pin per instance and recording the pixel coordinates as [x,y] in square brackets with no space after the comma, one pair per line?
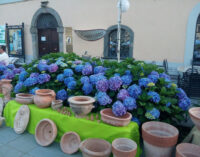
[3,55]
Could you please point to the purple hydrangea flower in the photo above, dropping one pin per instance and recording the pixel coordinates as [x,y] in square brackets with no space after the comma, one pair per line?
[11,66]
[181,93]
[184,103]
[61,95]
[123,94]
[68,73]
[127,79]
[17,87]
[134,119]
[79,68]
[32,91]
[43,61]
[53,68]
[42,78]
[85,79]
[71,85]
[115,83]
[134,91]
[60,77]
[34,74]
[9,74]
[87,70]
[130,103]
[155,97]
[118,109]
[16,70]
[103,98]
[143,82]
[95,78]
[42,67]
[99,69]
[102,85]
[87,88]
[153,114]
[68,79]
[30,81]
[165,76]
[77,62]
[21,68]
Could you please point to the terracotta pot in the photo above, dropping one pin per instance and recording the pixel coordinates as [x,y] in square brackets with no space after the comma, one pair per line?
[46,132]
[0,86]
[108,117]
[187,150]
[6,89]
[159,139]
[44,97]
[124,147]
[95,148]
[81,105]
[70,142]
[24,98]
[56,104]
[1,120]
[195,116]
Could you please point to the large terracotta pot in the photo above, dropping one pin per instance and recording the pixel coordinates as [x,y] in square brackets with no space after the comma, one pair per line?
[187,150]
[108,117]
[24,98]
[95,148]
[124,147]
[81,105]
[195,116]
[44,97]
[159,139]
[6,89]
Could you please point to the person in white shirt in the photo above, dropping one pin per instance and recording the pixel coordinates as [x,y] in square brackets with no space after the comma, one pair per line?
[3,55]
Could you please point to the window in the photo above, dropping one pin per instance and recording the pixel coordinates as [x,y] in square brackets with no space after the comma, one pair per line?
[110,43]
[196,54]
[9,1]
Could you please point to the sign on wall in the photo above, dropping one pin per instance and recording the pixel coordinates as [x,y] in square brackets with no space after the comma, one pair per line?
[68,39]
[2,35]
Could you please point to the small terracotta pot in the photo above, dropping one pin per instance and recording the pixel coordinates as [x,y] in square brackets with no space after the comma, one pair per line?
[24,98]
[56,104]
[159,138]
[195,116]
[1,120]
[95,148]
[6,89]
[108,117]
[70,142]
[187,150]
[81,111]
[124,147]
[46,132]
[44,97]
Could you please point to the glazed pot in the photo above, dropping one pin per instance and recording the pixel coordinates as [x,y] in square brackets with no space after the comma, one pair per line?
[195,116]
[6,89]
[124,147]
[24,98]
[44,97]
[1,120]
[46,132]
[187,150]
[159,139]
[95,148]
[70,142]
[108,117]
[56,104]
[81,105]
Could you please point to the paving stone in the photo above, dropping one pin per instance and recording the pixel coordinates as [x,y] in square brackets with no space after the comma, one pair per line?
[7,135]
[26,155]
[7,151]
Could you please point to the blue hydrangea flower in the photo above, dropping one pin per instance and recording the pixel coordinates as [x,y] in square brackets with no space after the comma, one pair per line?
[155,73]
[79,68]
[165,76]
[153,78]
[127,79]
[127,72]
[115,83]
[134,119]
[71,85]
[134,91]
[17,87]
[43,61]
[23,75]
[42,78]
[123,94]
[155,97]
[87,88]
[21,68]
[11,66]
[68,79]
[181,93]
[61,95]
[68,73]
[184,103]
[77,62]
[116,74]
[95,78]
[168,104]
[2,68]
[32,91]
[60,77]
[87,70]
[118,109]
[85,79]
[53,68]
[42,67]
[143,82]
[130,103]
[102,85]
[153,114]
[103,98]
[30,81]
[9,74]
[99,69]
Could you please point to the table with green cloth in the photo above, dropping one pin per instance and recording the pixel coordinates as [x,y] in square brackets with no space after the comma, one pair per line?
[85,128]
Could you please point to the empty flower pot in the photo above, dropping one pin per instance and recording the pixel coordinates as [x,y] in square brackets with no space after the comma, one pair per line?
[24,98]
[95,148]
[195,116]
[46,132]
[81,111]
[187,150]
[56,104]
[124,147]
[6,89]
[44,97]
[159,139]
[70,142]
[108,117]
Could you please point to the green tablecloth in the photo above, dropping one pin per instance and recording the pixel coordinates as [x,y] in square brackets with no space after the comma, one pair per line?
[85,128]
[1,95]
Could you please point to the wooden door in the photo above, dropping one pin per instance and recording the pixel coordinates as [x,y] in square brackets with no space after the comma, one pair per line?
[48,41]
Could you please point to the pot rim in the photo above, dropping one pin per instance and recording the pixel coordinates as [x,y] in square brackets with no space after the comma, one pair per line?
[133,142]
[192,110]
[77,106]
[188,145]
[73,101]
[6,80]
[84,150]
[48,92]
[20,95]
[57,101]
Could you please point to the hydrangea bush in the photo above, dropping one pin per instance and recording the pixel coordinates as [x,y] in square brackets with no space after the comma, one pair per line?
[130,86]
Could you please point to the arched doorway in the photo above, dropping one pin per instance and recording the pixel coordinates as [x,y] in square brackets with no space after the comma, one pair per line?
[47,32]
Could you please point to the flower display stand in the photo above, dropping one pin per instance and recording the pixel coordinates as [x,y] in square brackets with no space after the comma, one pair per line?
[85,128]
